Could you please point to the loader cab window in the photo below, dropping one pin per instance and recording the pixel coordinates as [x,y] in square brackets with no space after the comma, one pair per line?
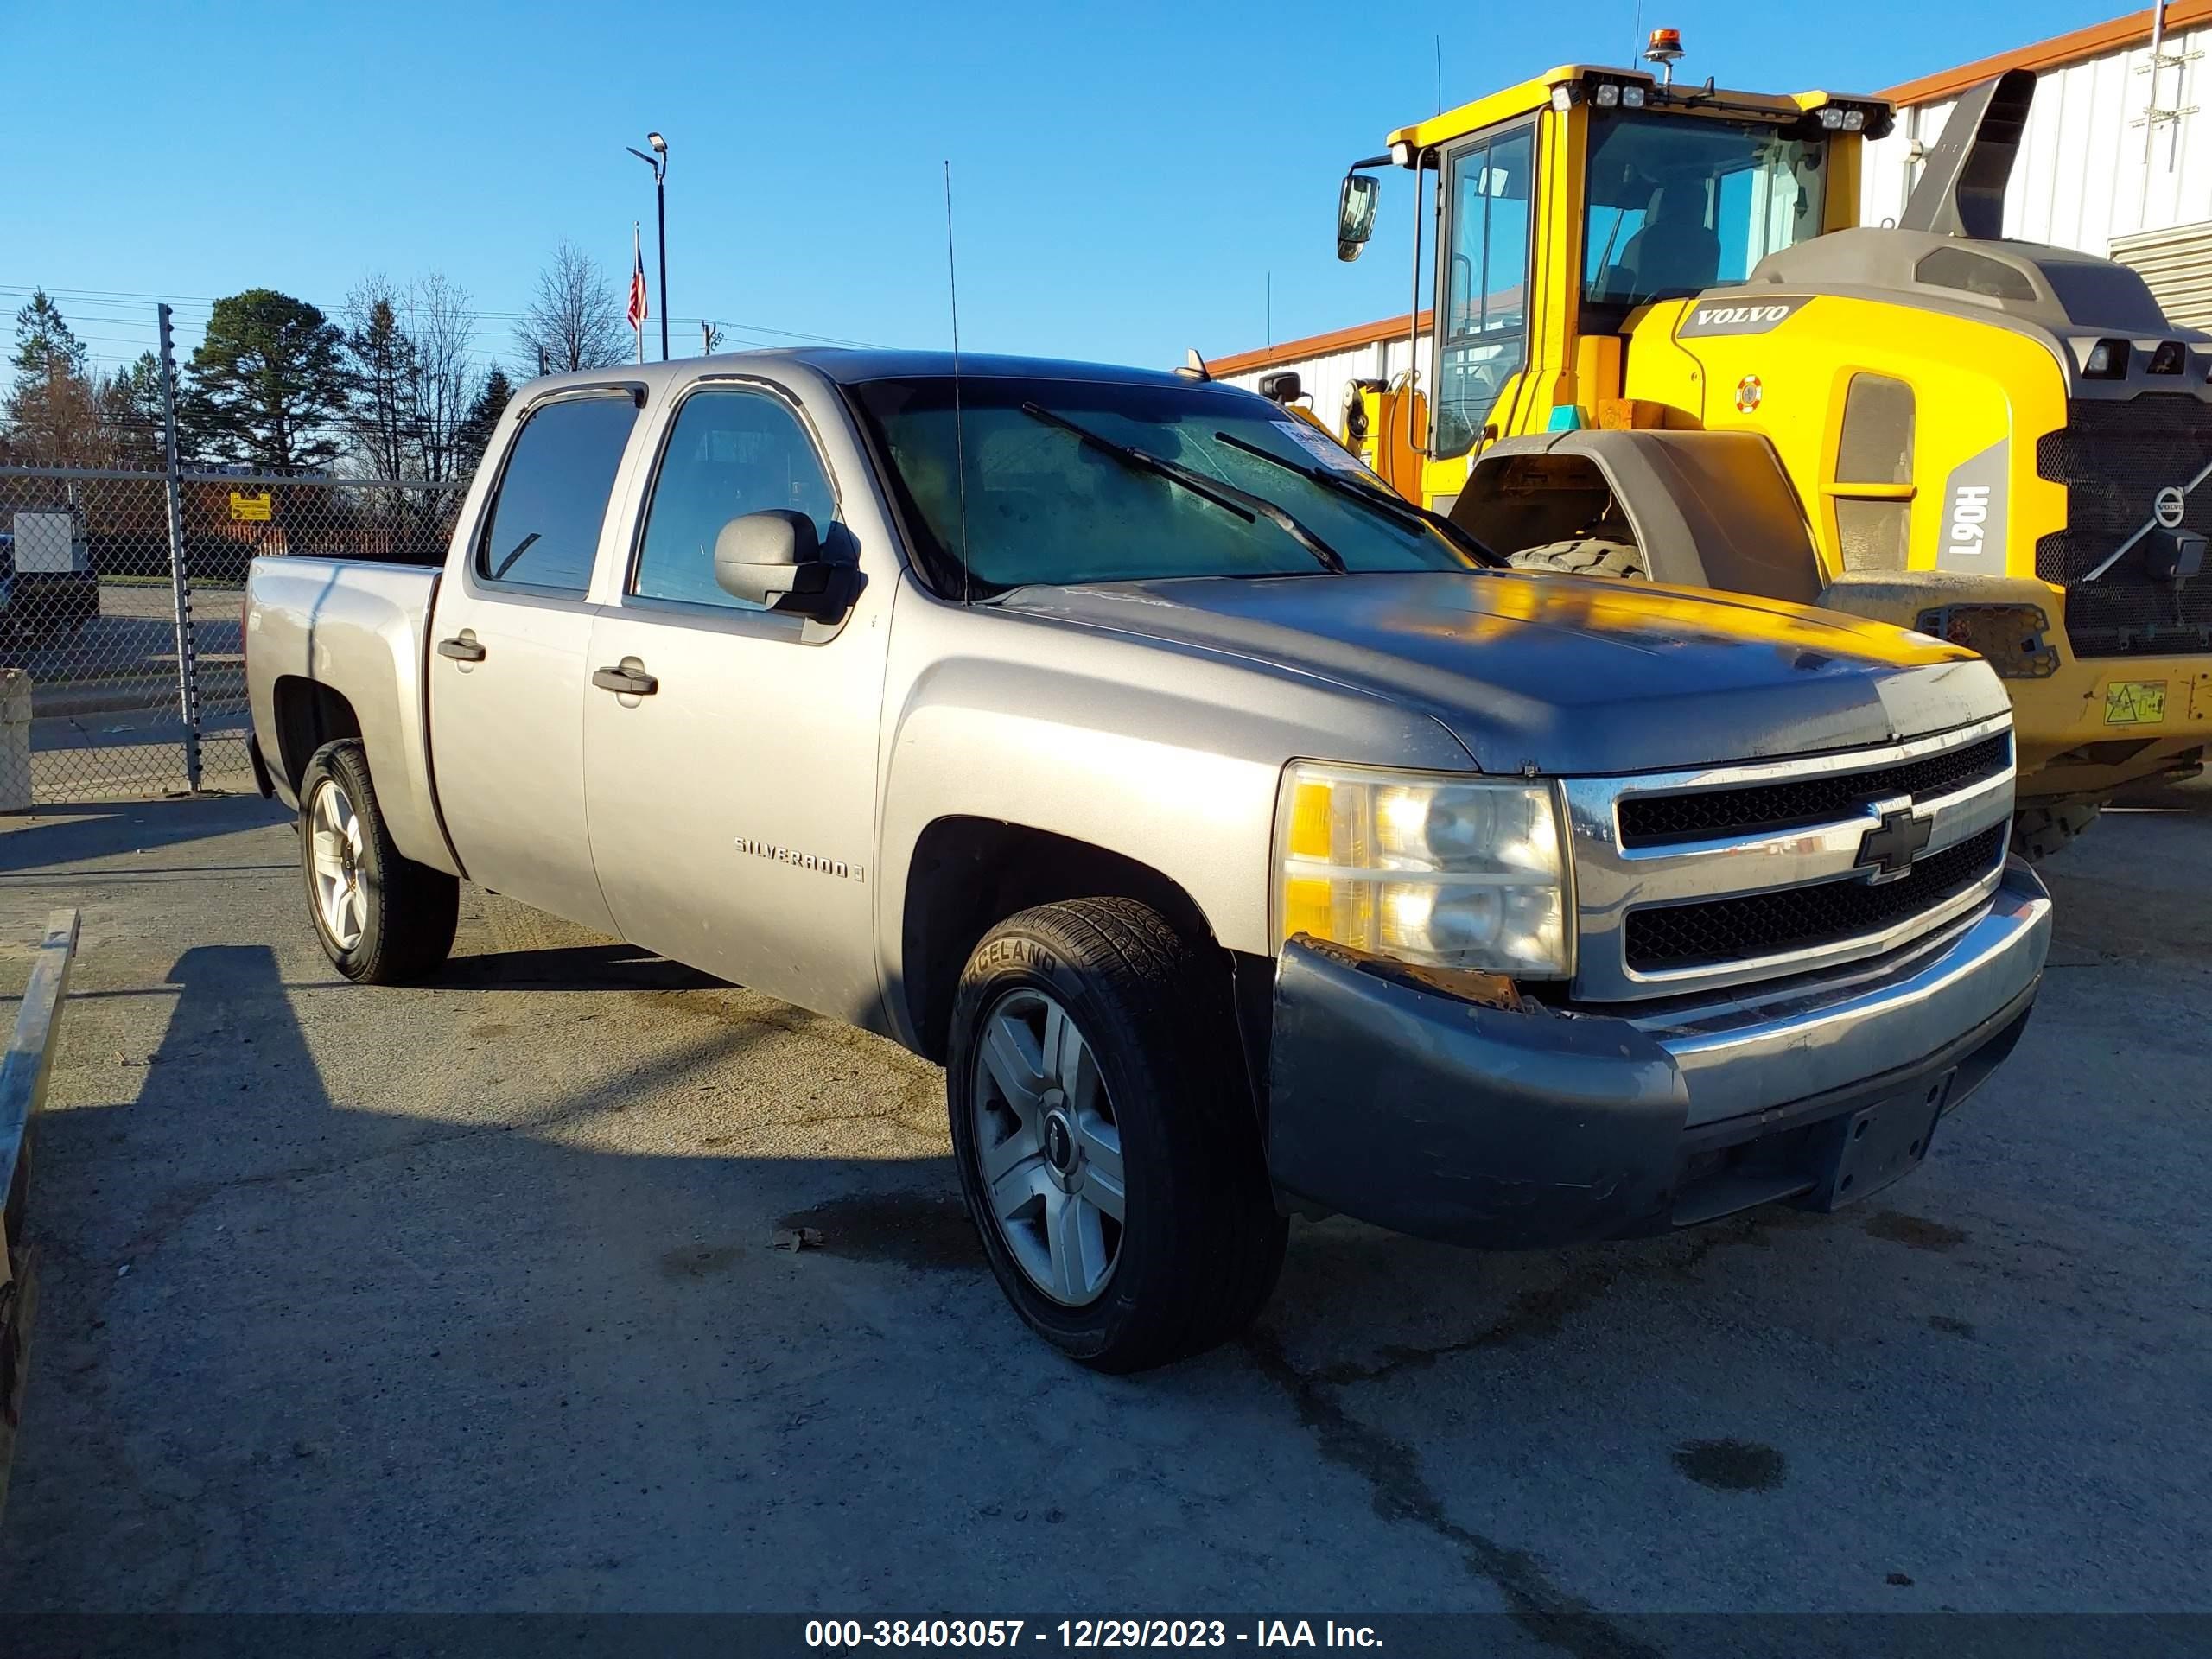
[1485,339]
[1679,203]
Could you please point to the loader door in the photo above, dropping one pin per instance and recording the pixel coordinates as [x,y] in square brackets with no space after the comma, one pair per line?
[1484,281]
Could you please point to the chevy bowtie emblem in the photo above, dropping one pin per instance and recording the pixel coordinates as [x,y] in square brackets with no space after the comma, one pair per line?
[1891,845]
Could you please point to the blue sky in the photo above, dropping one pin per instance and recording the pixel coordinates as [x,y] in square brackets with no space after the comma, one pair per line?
[1125,177]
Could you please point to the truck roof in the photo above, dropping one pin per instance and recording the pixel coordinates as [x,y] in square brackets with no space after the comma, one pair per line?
[849,366]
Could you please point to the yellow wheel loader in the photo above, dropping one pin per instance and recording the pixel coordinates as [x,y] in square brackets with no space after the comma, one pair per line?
[1663,349]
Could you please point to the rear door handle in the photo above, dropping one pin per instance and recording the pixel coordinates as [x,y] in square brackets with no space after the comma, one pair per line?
[463,650]
[630,680]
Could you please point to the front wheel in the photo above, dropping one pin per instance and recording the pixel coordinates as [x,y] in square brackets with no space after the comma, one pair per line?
[1107,1148]
[381,917]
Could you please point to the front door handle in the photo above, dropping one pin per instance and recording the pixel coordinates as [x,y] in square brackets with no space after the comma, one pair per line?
[629,680]
[462,649]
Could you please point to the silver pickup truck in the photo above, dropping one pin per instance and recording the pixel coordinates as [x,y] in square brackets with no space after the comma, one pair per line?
[1244,841]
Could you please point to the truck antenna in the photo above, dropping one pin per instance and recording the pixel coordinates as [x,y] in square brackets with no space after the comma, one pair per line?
[959,434]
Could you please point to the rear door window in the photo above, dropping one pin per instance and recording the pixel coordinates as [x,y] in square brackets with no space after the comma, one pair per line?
[543,531]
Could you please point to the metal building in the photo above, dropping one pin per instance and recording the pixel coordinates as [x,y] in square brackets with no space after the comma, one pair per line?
[2117,161]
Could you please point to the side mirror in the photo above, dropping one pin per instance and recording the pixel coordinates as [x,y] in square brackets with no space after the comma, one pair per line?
[1356,213]
[1283,387]
[773,559]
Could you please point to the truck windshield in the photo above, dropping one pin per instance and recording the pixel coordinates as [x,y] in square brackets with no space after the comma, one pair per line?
[1042,505]
[1680,202]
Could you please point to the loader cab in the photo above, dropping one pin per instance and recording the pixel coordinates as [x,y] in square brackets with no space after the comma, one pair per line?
[1567,209]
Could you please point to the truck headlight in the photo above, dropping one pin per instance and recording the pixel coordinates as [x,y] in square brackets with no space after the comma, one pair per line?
[1429,868]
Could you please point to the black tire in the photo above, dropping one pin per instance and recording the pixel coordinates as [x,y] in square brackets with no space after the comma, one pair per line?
[2039,831]
[1586,556]
[409,910]
[1200,1244]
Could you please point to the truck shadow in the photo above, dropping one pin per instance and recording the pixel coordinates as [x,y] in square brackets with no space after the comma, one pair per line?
[406,1319]
[609,966]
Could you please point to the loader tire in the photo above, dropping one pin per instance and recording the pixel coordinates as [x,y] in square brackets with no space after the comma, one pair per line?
[1586,556]
[2039,831]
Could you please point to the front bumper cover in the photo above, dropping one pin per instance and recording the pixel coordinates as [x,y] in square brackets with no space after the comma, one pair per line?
[1446,1118]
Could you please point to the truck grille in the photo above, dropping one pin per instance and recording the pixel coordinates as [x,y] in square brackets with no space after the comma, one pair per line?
[2114,457]
[1713,877]
[1658,820]
[1768,924]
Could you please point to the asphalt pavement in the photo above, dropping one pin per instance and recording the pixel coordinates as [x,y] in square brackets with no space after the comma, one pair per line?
[467,1298]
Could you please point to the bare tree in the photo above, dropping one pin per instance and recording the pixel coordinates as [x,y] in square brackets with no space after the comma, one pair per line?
[574,321]
[444,323]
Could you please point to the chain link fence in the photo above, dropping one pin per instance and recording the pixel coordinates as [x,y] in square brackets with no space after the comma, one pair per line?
[120,628]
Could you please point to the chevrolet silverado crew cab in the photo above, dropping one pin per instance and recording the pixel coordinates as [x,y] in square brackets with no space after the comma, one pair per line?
[1244,841]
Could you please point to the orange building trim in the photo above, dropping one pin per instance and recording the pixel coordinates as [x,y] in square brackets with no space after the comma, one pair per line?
[2060,49]
[1341,340]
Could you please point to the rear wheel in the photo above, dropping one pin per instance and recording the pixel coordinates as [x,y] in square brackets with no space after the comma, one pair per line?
[381,917]
[1584,556]
[2039,831]
[1107,1148]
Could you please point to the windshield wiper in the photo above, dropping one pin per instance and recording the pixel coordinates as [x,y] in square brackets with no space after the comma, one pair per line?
[1394,505]
[1243,502]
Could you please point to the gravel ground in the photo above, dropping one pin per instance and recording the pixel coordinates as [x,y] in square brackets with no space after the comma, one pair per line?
[464,1298]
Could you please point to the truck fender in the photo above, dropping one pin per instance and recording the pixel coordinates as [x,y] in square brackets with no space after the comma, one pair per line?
[1708,509]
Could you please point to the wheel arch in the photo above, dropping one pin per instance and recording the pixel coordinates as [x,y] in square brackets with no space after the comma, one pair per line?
[309,715]
[1707,509]
[968,874]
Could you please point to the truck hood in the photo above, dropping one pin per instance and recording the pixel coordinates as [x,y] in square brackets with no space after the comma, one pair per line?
[1566,675]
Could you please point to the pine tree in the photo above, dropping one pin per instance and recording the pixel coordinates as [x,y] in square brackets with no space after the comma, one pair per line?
[45,344]
[50,414]
[130,415]
[270,385]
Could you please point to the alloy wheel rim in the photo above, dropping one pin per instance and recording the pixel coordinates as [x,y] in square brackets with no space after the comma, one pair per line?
[334,851]
[1048,1147]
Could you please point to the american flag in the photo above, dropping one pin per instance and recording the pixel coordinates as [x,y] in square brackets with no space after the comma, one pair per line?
[640,310]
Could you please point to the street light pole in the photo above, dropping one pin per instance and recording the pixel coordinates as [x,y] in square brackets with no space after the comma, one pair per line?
[659,161]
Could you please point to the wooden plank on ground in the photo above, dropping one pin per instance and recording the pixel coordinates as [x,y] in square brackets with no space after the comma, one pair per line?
[24,1071]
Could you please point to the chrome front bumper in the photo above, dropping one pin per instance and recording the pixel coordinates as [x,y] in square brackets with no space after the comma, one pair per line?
[1742,1053]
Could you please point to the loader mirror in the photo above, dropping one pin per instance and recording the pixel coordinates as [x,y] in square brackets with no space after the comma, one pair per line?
[1355,214]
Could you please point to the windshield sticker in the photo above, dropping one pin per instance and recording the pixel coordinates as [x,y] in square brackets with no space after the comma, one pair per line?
[1736,317]
[1320,446]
